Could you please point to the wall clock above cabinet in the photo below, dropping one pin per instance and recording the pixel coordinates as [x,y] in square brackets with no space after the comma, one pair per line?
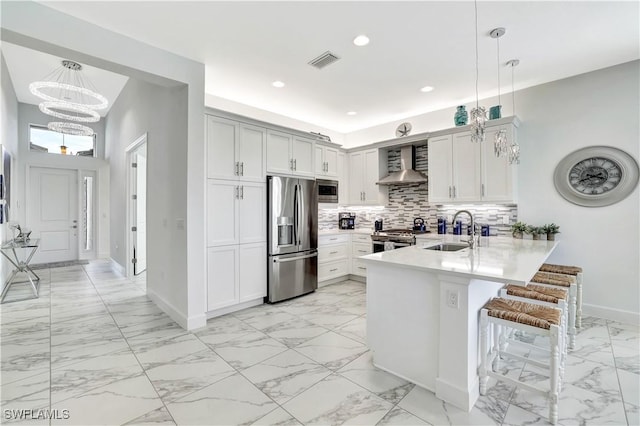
[596,176]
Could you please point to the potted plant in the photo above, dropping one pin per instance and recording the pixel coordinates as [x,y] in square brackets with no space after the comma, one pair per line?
[535,231]
[517,229]
[551,230]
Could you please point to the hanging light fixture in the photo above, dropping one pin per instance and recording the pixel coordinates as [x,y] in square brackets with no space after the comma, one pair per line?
[514,149]
[500,142]
[69,95]
[478,114]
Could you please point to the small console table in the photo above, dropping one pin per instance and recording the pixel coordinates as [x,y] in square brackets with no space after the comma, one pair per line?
[9,250]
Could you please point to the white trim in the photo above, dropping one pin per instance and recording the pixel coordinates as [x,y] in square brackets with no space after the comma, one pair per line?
[340,279]
[188,323]
[234,308]
[619,315]
[128,252]
[115,265]
[463,398]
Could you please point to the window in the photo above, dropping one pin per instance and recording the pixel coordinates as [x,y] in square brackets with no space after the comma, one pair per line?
[42,139]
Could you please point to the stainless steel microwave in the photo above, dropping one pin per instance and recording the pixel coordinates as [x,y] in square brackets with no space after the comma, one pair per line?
[327,191]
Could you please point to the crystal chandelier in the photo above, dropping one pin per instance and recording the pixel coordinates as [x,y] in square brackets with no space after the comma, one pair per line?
[500,141]
[68,95]
[478,114]
[514,149]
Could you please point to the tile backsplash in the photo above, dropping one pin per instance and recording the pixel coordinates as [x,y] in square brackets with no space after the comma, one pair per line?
[407,202]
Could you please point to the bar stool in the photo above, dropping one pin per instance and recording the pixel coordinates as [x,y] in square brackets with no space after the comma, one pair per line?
[553,280]
[544,296]
[575,271]
[531,318]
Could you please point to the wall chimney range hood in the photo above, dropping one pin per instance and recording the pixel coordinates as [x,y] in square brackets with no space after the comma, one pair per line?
[407,175]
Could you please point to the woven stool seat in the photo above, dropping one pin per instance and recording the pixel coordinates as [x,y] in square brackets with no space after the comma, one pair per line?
[523,313]
[537,292]
[561,269]
[553,279]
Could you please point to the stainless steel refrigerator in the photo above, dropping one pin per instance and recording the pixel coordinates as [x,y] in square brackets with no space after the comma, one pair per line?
[292,233]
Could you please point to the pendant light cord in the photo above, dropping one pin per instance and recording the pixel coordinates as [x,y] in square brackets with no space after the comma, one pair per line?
[513,92]
[498,41]
[475,4]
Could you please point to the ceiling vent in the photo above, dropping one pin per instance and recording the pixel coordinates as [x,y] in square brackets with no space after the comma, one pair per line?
[323,60]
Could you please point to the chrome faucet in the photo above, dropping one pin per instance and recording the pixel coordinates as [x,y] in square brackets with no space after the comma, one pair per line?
[472,238]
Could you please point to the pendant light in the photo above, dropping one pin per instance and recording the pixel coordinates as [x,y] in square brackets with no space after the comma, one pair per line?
[68,95]
[500,142]
[478,114]
[514,149]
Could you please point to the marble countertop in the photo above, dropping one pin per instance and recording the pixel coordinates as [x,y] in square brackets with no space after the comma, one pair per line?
[367,231]
[501,259]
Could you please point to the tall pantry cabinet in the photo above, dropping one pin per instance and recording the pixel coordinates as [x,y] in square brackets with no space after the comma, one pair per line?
[236,208]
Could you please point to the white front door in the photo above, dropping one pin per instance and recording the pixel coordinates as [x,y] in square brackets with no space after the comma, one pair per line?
[52,213]
[140,209]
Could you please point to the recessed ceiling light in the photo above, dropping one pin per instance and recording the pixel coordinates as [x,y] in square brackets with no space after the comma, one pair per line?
[351,113]
[361,40]
[426,89]
[277,84]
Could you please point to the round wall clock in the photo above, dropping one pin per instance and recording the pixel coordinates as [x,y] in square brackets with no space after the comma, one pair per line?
[596,176]
[403,130]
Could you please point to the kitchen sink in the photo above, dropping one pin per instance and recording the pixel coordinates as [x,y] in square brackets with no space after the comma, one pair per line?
[448,247]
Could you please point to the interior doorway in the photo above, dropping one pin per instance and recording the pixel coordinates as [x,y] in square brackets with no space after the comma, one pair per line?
[137,200]
[52,213]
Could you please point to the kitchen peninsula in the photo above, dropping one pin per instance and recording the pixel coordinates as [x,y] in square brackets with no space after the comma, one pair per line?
[423,307]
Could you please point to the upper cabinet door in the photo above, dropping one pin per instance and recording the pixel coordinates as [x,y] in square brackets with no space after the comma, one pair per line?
[319,161]
[370,177]
[222,160]
[279,153]
[343,179]
[466,168]
[331,161]
[251,149]
[303,156]
[440,169]
[498,176]
[356,171]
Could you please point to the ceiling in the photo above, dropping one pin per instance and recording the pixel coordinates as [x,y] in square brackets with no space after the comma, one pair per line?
[245,46]
[26,66]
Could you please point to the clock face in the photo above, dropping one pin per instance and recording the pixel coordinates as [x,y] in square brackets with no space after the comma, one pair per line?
[403,130]
[595,175]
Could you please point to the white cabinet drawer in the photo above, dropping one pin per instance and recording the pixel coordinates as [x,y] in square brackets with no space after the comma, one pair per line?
[324,240]
[358,268]
[333,252]
[360,249]
[361,238]
[327,271]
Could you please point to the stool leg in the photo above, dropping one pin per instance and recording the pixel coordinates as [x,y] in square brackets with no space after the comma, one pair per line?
[484,328]
[497,335]
[572,316]
[554,375]
[579,301]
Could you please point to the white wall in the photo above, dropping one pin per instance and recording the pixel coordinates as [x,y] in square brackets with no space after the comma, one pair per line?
[596,108]
[9,138]
[223,104]
[37,27]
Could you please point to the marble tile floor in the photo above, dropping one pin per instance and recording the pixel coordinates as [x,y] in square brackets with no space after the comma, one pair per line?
[93,349]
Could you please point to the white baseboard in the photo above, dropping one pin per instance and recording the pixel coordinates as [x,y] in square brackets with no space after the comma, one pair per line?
[118,267]
[188,323]
[332,281]
[461,398]
[357,278]
[234,308]
[619,315]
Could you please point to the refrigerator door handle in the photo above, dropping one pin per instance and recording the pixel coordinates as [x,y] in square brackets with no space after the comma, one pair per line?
[301,211]
[293,259]
[296,215]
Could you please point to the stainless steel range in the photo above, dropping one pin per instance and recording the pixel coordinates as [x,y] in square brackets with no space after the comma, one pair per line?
[391,239]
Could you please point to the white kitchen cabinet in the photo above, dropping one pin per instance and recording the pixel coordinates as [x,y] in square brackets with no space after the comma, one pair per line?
[222,276]
[236,212]
[333,256]
[235,150]
[290,155]
[326,161]
[235,274]
[358,249]
[461,171]
[364,172]
[343,179]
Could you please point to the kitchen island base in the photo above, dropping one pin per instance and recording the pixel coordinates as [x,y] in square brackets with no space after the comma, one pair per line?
[423,326]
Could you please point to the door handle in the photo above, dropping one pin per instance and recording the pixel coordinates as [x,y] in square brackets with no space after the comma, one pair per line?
[293,259]
[295,164]
[242,192]
[454,191]
[450,192]
[242,168]
[75,226]
[237,192]
[291,164]
[237,168]
[483,189]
